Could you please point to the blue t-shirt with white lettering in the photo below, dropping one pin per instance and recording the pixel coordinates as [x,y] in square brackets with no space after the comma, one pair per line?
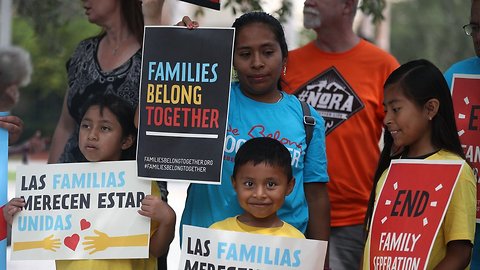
[247,118]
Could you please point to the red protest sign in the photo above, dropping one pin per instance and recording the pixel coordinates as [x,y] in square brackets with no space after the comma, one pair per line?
[409,211]
[466,102]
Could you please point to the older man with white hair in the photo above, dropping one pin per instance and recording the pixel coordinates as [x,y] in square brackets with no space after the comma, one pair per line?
[342,76]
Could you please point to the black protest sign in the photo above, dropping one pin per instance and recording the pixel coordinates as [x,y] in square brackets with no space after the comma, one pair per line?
[213,4]
[183,104]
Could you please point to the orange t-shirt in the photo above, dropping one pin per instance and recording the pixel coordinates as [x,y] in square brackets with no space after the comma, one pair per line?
[347,90]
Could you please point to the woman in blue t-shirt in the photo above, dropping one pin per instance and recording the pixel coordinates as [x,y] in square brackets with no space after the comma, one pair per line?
[259,108]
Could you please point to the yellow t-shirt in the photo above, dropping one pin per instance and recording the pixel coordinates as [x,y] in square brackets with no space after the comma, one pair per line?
[149,263]
[233,224]
[459,221]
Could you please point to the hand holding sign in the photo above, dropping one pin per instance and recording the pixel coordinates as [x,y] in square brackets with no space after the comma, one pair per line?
[156,209]
[14,126]
[14,206]
[186,21]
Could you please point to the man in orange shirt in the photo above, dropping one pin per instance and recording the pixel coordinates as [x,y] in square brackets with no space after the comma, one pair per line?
[342,76]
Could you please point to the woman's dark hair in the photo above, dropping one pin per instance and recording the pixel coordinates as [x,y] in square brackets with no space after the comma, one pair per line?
[132,13]
[267,19]
[420,81]
[264,150]
[124,113]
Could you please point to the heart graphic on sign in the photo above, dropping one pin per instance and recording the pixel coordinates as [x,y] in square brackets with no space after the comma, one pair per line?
[72,241]
[84,224]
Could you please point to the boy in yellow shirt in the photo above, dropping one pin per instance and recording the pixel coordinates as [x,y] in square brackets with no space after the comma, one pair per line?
[262,177]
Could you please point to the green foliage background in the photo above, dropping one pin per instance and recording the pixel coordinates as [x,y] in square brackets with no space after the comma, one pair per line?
[431,29]
[50,30]
[50,35]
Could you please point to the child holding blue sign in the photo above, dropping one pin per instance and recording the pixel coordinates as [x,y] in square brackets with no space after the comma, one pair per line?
[107,133]
[262,177]
[421,125]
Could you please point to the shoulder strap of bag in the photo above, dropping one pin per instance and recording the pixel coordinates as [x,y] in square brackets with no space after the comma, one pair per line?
[308,121]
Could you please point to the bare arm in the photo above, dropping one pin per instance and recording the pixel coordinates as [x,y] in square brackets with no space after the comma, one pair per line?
[152,11]
[152,14]
[318,213]
[160,211]
[458,255]
[135,117]
[65,127]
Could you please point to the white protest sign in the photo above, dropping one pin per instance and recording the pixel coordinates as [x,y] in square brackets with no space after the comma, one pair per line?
[80,211]
[222,250]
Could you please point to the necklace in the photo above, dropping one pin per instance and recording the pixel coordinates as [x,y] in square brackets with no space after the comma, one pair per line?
[114,51]
[119,44]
